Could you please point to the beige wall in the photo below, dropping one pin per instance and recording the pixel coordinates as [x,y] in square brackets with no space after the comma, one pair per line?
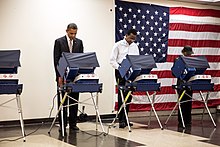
[33,25]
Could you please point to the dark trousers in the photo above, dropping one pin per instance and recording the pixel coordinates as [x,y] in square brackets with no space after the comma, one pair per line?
[121,82]
[73,110]
[186,107]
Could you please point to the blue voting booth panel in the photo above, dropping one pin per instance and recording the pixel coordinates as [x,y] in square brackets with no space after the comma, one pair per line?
[11,88]
[9,63]
[196,86]
[84,87]
[136,65]
[145,86]
[185,68]
[72,65]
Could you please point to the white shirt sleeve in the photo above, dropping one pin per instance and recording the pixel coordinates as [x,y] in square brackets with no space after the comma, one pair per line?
[134,50]
[113,57]
[120,50]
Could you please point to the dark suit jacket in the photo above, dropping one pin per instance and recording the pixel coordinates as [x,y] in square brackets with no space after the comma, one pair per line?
[61,45]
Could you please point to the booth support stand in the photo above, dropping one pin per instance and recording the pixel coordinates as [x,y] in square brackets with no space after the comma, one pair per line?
[9,63]
[77,69]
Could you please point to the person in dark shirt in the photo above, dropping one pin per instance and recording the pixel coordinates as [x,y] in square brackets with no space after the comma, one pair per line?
[186,105]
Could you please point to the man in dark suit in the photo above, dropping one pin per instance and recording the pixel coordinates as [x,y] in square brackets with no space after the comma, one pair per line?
[67,43]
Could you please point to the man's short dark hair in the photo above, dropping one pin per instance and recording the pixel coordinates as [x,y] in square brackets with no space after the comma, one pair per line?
[132,31]
[72,26]
[188,50]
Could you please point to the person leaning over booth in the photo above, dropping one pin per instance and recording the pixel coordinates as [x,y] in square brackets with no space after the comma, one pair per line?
[186,105]
[68,43]
[124,47]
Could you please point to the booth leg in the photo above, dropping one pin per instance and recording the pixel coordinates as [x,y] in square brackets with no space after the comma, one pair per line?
[151,110]
[206,106]
[62,119]
[7,101]
[20,115]
[177,104]
[113,122]
[152,107]
[122,107]
[60,109]
[149,121]
[97,113]
[181,115]
[206,99]
[171,113]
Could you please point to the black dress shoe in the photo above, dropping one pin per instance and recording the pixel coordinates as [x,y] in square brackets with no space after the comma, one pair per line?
[75,128]
[189,124]
[122,125]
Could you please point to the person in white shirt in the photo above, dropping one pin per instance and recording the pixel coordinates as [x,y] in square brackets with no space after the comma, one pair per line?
[124,47]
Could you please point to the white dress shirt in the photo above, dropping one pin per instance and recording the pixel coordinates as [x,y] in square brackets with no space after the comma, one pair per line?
[120,50]
[70,45]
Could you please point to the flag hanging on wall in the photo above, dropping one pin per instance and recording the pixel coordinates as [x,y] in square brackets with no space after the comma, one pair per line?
[163,32]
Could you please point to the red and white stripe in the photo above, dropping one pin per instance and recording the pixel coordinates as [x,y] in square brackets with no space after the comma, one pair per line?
[199,28]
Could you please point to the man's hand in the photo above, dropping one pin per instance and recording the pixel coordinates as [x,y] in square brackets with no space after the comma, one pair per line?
[60,81]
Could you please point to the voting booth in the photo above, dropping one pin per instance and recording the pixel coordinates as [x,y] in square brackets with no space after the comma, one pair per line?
[9,82]
[77,70]
[191,71]
[136,71]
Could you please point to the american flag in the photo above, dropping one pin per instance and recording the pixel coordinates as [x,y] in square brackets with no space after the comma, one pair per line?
[162,32]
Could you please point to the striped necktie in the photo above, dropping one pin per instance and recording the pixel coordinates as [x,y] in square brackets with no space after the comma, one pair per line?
[70,46]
